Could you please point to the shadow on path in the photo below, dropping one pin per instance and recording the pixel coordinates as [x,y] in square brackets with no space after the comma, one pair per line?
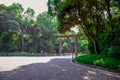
[57,69]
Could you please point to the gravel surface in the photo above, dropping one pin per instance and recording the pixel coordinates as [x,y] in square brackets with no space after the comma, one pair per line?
[49,68]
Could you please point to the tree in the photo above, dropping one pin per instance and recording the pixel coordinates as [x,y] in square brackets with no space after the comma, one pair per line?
[109,41]
[48,29]
[2,21]
[16,10]
[9,26]
[29,14]
[87,14]
[20,31]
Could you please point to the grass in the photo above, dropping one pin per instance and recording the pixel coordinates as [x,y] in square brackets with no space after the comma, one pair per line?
[99,60]
[19,54]
[26,54]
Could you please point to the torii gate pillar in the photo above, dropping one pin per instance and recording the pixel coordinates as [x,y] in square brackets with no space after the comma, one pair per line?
[60,45]
[76,46]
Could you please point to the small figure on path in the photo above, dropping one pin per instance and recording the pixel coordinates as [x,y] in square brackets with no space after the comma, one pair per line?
[42,52]
[45,53]
[32,54]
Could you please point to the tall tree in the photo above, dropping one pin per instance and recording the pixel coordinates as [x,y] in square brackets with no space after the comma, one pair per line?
[16,10]
[48,29]
[88,14]
[2,21]
[8,26]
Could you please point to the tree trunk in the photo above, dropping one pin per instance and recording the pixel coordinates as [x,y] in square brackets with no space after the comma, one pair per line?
[22,43]
[108,12]
[60,45]
[76,46]
[96,46]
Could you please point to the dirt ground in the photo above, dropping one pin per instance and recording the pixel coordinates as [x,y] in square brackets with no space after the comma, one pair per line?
[49,68]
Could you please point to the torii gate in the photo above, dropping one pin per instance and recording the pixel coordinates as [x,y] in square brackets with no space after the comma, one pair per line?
[75,36]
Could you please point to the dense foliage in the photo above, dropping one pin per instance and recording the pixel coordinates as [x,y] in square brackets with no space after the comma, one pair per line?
[99,19]
[21,31]
[100,60]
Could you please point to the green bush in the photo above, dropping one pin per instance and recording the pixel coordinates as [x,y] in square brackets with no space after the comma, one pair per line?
[114,51]
[99,60]
[104,43]
[109,42]
[91,47]
[83,45]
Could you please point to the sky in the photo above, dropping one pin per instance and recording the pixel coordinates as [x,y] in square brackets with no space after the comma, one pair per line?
[39,6]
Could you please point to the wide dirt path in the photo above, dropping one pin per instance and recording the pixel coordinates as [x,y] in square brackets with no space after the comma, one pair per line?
[49,68]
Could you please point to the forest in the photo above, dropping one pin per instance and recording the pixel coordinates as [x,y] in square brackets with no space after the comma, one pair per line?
[97,20]
[21,31]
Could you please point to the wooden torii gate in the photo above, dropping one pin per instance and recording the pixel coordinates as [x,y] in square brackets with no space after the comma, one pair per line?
[75,36]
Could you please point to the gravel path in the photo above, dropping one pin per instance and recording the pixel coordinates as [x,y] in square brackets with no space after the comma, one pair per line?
[49,68]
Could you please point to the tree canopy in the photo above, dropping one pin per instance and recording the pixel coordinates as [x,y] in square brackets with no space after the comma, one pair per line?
[95,17]
[21,31]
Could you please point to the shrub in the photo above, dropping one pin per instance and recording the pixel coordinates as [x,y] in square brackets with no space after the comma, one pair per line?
[91,47]
[114,51]
[109,43]
[99,60]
